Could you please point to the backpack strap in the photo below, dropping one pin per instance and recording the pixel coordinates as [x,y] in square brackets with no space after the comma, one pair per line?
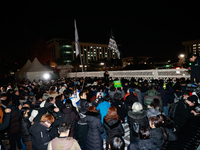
[175,95]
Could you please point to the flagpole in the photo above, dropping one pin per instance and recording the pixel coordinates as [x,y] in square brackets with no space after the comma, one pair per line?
[78,52]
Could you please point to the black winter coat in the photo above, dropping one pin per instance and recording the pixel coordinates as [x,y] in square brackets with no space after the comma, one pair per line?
[58,119]
[113,127]
[147,144]
[169,126]
[83,106]
[14,119]
[94,140]
[182,112]
[40,136]
[25,125]
[121,109]
[60,105]
[157,135]
[130,99]
[137,118]
[69,114]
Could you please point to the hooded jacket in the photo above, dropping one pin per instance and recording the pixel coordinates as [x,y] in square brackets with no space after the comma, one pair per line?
[139,117]
[130,99]
[94,140]
[157,135]
[153,112]
[25,125]
[113,127]
[83,106]
[40,136]
[63,143]
[70,113]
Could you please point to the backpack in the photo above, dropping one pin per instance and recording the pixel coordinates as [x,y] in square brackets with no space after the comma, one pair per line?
[172,109]
[136,126]
[177,99]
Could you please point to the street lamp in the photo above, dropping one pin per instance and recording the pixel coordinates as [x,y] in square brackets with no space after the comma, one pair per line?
[102,64]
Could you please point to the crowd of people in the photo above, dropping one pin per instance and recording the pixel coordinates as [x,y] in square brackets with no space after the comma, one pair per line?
[74,114]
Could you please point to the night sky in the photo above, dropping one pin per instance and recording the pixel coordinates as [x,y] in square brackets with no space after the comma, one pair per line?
[143,29]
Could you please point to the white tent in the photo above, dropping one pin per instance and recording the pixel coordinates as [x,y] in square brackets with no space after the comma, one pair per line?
[36,71]
[21,74]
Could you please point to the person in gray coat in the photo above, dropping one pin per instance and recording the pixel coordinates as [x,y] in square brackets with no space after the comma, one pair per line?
[154,108]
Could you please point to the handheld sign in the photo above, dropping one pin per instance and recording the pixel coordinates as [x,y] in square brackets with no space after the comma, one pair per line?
[117,84]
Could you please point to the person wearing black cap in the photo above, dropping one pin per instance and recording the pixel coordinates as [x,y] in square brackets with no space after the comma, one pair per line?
[195,68]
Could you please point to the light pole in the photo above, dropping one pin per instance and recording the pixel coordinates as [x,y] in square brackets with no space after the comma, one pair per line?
[181,59]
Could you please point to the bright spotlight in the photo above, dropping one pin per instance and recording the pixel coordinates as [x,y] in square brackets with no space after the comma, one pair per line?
[46,76]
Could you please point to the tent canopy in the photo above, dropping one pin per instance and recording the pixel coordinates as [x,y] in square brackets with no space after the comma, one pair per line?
[34,71]
[36,66]
[28,63]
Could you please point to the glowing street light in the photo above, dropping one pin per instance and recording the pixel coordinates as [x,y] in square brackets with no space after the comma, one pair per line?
[182,55]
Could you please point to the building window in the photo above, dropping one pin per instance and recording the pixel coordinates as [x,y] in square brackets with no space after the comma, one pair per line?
[194,45]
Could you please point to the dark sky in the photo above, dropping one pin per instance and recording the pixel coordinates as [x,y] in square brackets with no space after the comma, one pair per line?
[145,29]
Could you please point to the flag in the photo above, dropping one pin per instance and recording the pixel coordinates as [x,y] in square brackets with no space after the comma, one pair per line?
[113,45]
[76,39]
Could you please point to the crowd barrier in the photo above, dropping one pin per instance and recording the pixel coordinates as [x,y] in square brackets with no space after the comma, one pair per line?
[164,74]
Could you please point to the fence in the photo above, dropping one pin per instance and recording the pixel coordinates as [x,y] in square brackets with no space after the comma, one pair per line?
[164,74]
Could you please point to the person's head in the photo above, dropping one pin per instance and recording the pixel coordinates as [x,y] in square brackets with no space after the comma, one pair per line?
[58,98]
[112,88]
[68,103]
[25,111]
[117,143]
[26,105]
[64,128]
[47,119]
[107,98]
[50,109]
[131,90]
[4,96]
[117,96]
[178,88]
[155,103]
[16,92]
[164,119]
[50,100]
[136,107]
[155,122]
[52,89]
[83,95]
[186,94]
[144,133]
[193,57]
[112,113]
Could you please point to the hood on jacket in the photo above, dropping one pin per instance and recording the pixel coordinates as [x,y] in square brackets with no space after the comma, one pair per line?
[137,115]
[113,123]
[152,93]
